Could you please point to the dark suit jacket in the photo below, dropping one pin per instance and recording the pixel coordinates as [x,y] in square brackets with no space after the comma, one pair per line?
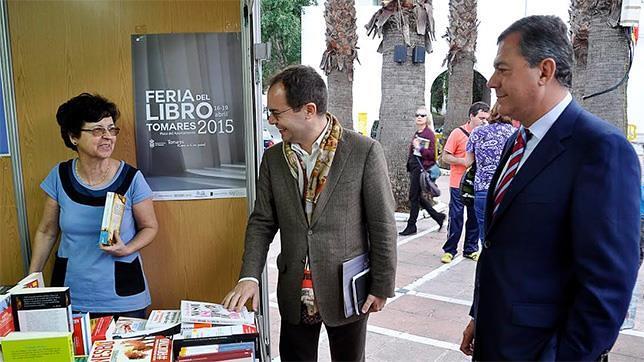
[560,259]
[354,213]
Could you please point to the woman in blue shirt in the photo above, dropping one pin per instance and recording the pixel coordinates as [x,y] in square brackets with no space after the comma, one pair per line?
[103,280]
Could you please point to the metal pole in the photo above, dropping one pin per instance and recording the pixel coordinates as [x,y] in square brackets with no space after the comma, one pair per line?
[6,75]
[252,80]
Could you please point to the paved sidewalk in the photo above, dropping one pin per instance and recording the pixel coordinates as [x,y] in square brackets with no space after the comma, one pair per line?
[425,321]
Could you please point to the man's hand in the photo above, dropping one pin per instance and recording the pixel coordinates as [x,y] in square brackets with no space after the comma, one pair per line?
[243,291]
[373,304]
[467,344]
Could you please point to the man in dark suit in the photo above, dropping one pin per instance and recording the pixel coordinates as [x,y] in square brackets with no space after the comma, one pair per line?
[326,189]
[560,252]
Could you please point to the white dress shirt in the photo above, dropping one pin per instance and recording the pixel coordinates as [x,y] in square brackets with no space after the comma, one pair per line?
[539,130]
[309,160]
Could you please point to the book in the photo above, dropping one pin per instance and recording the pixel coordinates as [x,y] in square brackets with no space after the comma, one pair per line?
[423,143]
[42,310]
[150,349]
[6,315]
[218,352]
[127,328]
[220,331]
[163,318]
[359,289]
[234,356]
[179,342]
[38,346]
[203,312]
[112,215]
[351,268]
[33,280]
[102,328]
[127,325]
[81,334]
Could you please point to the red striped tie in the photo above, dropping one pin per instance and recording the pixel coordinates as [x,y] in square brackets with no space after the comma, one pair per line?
[513,164]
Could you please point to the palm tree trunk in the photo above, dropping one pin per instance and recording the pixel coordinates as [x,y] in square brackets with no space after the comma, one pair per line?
[459,94]
[341,97]
[403,88]
[337,59]
[461,35]
[608,59]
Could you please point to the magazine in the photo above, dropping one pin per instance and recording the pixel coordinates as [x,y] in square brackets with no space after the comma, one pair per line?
[219,331]
[151,349]
[163,318]
[202,312]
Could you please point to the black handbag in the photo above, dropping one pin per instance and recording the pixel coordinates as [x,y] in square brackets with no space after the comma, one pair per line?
[466,188]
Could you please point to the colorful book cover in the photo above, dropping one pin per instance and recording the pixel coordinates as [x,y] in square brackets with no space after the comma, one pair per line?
[6,315]
[112,216]
[81,335]
[102,328]
[163,318]
[38,346]
[220,331]
[202,312]
[151,349]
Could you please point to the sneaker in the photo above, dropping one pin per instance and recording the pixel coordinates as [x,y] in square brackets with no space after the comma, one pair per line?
[447,258]
[410,229]
[474,256]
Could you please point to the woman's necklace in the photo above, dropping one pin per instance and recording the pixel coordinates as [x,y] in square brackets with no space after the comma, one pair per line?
[86,181]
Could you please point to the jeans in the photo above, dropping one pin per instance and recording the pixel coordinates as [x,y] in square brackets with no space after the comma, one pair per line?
[479,208]
[455,226]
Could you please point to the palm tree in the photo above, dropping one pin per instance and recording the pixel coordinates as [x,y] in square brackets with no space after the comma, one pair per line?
[602,54]
[408,23]
[461,36]
[337,59]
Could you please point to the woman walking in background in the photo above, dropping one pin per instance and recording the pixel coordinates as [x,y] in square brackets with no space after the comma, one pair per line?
[421,155]
[485,146]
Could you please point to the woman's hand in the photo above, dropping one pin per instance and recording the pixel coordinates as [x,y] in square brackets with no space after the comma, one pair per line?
[118,249]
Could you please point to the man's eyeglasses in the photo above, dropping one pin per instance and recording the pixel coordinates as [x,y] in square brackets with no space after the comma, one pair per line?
[100,131]
[275,114]
[421,115]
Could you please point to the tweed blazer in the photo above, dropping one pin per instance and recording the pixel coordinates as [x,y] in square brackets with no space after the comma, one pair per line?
[354,214]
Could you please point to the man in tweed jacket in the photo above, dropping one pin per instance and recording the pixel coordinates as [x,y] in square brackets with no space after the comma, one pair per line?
[353,214]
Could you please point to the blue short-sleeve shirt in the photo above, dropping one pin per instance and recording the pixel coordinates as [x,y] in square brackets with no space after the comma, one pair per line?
[98,282]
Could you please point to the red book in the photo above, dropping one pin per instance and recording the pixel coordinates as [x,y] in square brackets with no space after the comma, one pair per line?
[6,315]
[239,355]
[102,328]
[77,337]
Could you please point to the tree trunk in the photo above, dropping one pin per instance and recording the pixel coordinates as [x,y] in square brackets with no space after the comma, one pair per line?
[459,94]
[608,60]
[403,88]
[461,36]
[341,97]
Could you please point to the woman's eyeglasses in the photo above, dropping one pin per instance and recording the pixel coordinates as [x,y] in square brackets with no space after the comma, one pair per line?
[100,131]
[421,115]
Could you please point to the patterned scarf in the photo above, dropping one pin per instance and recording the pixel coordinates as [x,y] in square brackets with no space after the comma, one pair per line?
[311,189]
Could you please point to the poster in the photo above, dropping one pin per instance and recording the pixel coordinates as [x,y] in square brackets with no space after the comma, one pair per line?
[4,143]
[189,114]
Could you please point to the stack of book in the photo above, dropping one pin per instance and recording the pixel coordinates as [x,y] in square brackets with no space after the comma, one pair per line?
[210,332]
[39,320]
